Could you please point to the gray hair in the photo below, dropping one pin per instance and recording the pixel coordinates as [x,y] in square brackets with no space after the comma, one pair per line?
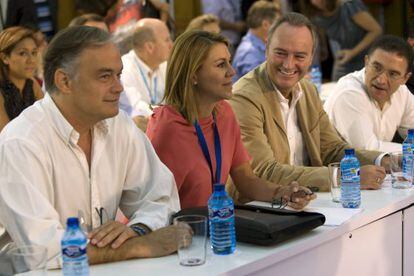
[297,20]
[142,35]
[65,48]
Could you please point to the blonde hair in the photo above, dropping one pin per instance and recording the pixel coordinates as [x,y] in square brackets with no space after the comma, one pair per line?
[187,56]
[199,22]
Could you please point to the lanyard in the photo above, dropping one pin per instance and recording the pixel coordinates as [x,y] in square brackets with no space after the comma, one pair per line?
[153,96]
[217,149]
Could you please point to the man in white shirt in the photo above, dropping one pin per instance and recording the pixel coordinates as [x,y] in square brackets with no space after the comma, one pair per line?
[368,106]
[143,76]
[72,154]
[282,121]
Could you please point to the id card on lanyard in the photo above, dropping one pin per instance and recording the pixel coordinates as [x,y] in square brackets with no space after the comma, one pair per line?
[217,149]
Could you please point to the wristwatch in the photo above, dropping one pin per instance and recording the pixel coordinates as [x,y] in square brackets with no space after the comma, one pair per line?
[140,230]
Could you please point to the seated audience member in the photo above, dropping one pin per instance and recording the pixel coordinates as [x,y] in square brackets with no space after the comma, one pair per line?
[196,133]
[230,18]
[251,51]
[18,62]
[205,22]
[143,76]
[282,121]
[89,19]
[369,105]
[73,154]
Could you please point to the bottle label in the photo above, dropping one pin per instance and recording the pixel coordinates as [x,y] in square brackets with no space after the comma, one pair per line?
[222,213]
[73,251]
[350,174]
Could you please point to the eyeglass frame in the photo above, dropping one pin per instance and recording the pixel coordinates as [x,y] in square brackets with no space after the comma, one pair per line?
[377,68]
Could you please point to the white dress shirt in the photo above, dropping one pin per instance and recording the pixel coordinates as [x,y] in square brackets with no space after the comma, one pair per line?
[360,120]
[298,152]
[143,87]
[45,177]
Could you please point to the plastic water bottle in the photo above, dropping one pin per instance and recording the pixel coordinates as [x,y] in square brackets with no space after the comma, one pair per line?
[74,242]
[316,76]
[350,180]
[221,220]
[408,156]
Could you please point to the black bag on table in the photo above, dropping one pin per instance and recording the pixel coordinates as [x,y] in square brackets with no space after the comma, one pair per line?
[265,225]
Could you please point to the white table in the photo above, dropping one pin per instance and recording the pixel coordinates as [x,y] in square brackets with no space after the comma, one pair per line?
[370,243]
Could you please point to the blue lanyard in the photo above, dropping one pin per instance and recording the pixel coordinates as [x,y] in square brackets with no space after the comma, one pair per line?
[217,149]
[153,96]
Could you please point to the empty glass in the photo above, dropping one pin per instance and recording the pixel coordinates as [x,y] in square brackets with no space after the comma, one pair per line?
[399,179]
[192,248]
[27,259]
[335,180]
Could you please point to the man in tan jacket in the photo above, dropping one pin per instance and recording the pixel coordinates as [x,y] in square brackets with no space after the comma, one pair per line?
[283,124]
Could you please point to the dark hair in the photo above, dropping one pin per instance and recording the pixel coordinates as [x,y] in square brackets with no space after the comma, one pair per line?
[84,18]
[297,20]
[14,101]
[65,48]
[259,11]
[394,44]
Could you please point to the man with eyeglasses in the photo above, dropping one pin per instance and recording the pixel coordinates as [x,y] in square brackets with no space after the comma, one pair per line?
[284,127]
[368,106]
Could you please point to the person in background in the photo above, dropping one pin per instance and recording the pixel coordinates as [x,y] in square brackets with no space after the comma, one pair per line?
[77,126]
[410,40]
[350,29]
[18,62]
[196,133]
[143,76]
[205,22]
[89,19]
[229,15]
[41,43]
[367,107]
[282,121]
[251,51]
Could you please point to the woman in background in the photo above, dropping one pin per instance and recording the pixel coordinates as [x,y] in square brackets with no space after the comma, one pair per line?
[350,29]
[18,63]
[196,134]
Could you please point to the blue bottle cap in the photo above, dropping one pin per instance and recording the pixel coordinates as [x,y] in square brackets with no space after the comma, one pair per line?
[218,187]
[411,131]
[349,151]
[73,221]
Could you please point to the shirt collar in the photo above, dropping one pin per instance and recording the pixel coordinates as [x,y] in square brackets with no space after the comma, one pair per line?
[63,127]
[297,92]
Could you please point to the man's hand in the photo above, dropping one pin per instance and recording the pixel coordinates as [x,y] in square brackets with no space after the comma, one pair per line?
[371,177]
[161,242]
[386,163]
[141,122]
[112,232]
[296,196]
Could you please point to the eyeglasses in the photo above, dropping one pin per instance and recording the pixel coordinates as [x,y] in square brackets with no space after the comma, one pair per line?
[378,69]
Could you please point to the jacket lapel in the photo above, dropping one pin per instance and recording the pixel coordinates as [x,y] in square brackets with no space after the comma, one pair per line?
[271,97]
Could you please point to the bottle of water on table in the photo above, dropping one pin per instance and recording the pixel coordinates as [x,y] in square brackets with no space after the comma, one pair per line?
[74,243]
[221,220]
[408,156]
[350,180]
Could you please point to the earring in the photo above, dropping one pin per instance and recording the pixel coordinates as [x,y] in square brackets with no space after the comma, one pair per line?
[195,83]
